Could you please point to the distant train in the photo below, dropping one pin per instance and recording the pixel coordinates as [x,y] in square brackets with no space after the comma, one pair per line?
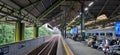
[104,32]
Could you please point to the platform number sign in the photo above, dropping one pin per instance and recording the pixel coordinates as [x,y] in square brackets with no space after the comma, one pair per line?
[117,29]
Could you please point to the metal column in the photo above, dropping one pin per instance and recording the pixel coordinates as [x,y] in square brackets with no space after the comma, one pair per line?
[82,21]
[19,31]
[65,30]
[65,25]
[36,31]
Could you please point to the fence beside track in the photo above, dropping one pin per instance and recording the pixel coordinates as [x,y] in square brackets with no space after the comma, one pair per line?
[21,48]
[56,47]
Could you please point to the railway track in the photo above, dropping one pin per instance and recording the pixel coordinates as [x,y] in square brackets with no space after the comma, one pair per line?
[48,48]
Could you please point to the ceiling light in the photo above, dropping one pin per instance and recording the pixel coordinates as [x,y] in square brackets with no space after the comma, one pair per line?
[86,8]
[91,4]
[77,16]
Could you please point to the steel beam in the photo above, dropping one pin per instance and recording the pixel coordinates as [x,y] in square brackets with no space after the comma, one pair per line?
[9,14]
[31,9]
[43,5]
[16,3]
[114,11]
[103,8]
[49,10]
[31,4]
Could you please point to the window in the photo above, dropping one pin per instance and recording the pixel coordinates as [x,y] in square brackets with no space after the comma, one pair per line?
[97,33]
[109,34]
[92,34]
[102,34]
[89,34]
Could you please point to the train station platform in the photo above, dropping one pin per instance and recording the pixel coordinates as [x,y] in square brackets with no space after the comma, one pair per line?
[52,45]
[79,48]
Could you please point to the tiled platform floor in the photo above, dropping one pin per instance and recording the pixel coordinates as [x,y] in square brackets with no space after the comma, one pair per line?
[80,49]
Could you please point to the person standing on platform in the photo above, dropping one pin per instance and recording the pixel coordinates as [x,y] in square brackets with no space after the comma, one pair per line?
[71,32]
[75,31]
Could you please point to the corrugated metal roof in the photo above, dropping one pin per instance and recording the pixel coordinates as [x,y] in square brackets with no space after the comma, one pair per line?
[28,10]
[31,10]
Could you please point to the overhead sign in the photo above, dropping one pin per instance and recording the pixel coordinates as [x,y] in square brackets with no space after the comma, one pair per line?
[117,28]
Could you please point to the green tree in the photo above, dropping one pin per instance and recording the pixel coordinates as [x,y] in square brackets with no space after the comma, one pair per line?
[28,34]
[6,33]
[44,32]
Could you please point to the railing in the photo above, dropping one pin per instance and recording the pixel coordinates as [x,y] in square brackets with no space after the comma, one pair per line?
[21,48]
[25,47]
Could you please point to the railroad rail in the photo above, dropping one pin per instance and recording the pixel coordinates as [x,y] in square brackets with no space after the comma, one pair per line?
[53,46]
[48,48]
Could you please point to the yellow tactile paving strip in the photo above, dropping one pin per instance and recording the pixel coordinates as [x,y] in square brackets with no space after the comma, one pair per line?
[67,49]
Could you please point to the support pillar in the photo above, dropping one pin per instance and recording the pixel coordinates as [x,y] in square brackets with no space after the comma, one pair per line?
[19,31]
[65,26]
[36,31]
[65,30]
[82,21]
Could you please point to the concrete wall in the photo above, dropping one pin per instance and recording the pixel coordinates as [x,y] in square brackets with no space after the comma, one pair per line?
[21,48]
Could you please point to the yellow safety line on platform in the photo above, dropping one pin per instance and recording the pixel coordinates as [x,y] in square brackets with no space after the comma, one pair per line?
[67,49]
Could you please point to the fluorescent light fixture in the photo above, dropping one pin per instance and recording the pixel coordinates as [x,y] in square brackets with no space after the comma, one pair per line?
[74,19]
[91,4]
[77,16]
[86,8]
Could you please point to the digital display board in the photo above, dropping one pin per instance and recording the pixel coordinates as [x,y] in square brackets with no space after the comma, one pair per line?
[117,28]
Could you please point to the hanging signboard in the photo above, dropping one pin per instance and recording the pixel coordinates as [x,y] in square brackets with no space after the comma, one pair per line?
[117,29]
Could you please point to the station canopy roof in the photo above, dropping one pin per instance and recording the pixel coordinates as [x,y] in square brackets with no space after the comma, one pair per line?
[55,12]
[108,8]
